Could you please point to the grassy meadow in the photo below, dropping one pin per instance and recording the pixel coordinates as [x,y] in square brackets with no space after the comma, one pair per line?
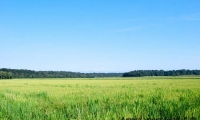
[100,98]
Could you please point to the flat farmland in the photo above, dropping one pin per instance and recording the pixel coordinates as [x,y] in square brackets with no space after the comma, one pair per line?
[100,98]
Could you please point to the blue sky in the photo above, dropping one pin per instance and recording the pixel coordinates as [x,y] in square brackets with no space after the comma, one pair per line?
[100,35]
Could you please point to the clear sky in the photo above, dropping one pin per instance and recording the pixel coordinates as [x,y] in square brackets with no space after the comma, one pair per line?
[100,35]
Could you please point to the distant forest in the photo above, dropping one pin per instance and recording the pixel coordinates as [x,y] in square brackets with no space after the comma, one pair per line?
[23,73]
[141,73]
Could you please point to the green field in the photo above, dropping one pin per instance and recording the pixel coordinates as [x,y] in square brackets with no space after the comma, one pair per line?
[100,98]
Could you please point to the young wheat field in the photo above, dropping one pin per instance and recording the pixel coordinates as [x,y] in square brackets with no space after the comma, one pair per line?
[100,98]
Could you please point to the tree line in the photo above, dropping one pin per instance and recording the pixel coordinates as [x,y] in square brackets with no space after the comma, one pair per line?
[23,73]
[5,75]
[141,73]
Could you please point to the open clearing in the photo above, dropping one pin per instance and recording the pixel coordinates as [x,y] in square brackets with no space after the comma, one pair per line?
[100,98]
